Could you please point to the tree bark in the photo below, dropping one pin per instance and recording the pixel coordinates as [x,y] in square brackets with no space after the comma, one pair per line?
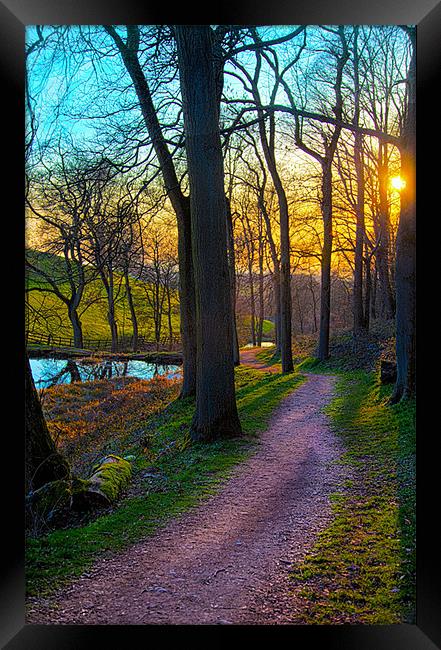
[232,271]
[285,313]
[374,286]
[187,300]
[261,313]
[359,320]
[368,291]
[43,462]
[169,317]
[216,412]
[406,250]
[325,294]
[276,267]
[76,326]
[132,311]
[276,290]
[387,300]
[249,245]
[108,285]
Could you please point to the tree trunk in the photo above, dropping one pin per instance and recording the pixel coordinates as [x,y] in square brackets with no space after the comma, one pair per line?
[187,301]
[43,462]
[299,308]
[132,312]
[216,412]
[180,203]
[252,301]
[261,296]
[276,271]
[387,302]
[368,291]
[406,251]
[169,317]
[111,313]
[76,327]
[276,290]
[157,311]
[232,271]
[314,301]
[325,294]
[359,320]
[285,264]
[285,283]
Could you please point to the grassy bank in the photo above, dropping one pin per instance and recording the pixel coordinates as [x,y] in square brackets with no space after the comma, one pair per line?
[171,475]
[362,569]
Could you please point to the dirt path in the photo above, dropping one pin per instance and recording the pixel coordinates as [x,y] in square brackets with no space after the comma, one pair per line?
[248,357]
[228,560]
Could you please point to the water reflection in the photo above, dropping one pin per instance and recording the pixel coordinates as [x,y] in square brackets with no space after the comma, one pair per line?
[48,372]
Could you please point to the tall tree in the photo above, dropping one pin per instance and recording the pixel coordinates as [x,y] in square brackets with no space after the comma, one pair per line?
[259,186]
[129,50]
[268,142]
[406,249]
[381,66]
[105,229]
[325,156]
[216,412]
[359,318]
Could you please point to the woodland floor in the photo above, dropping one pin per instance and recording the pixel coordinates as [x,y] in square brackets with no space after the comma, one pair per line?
[228,560]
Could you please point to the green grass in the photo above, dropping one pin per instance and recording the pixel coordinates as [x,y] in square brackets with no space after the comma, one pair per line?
[268,356]
[267,325]
[188,473]
[362,569]
[94,318]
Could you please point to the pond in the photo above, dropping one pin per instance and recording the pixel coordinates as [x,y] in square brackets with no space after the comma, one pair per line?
[47,372]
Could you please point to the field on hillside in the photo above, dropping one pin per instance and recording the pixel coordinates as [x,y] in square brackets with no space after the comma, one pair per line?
[93,310]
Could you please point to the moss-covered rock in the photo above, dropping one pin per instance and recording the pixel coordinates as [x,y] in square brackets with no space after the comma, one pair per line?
[108,479]
[110,476]
[82,499]
[53,503]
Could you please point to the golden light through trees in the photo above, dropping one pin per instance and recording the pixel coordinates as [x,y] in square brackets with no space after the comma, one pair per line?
[286,82]
[398,183]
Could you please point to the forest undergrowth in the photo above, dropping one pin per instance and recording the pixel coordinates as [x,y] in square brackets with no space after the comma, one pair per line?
[362,568]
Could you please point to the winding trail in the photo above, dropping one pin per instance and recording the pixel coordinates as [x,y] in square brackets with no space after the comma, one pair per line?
[248,358]
[228,560]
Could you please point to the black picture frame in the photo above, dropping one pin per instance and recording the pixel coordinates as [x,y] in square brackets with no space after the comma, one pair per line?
[15,15]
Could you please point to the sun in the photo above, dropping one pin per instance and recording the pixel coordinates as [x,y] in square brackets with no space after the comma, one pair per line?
[398,183]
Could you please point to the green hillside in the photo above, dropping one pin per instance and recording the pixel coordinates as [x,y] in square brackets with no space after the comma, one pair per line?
[53,317]
[93,309]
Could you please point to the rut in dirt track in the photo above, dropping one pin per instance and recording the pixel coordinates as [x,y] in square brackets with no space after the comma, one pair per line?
[228,560]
